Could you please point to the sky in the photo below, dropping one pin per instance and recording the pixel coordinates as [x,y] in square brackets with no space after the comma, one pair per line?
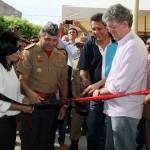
[41,11]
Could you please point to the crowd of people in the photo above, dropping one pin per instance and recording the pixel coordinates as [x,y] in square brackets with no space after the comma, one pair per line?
[38,75]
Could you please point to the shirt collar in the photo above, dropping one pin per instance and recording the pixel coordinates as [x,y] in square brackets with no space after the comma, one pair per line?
[100,48]
[126,38]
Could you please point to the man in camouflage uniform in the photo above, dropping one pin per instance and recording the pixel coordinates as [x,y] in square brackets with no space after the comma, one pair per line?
[42,69]
[79,109]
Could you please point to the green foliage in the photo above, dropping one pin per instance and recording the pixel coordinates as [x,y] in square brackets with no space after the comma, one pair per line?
[2,23]
[145,37]
[25,27]
[65,30]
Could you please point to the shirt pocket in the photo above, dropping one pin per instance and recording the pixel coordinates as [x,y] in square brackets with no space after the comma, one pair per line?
[38,67]
[59,68]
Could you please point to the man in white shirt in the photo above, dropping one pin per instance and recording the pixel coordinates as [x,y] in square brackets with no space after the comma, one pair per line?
[127,74]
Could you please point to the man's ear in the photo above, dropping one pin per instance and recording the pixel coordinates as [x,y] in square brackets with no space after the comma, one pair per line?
[39,36]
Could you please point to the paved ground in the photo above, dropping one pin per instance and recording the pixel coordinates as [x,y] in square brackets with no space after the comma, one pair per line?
[82,143]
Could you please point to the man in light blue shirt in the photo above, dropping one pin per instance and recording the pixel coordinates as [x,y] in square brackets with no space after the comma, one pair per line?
[95,61]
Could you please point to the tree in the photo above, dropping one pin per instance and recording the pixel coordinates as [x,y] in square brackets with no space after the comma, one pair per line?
[25,27]
[2,23]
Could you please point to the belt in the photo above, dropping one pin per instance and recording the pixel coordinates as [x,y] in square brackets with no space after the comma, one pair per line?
[45,95]
[49,99]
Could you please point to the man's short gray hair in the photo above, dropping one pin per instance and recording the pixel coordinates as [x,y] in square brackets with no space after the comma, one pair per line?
[51,28]
[119,13]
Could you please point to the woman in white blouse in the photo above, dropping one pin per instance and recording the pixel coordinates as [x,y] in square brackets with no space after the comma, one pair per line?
[10,87]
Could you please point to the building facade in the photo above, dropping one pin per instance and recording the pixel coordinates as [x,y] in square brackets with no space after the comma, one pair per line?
[8,10]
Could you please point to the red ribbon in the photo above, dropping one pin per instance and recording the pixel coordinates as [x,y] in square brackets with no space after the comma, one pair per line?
[28,122]
[97,98]
[103,97]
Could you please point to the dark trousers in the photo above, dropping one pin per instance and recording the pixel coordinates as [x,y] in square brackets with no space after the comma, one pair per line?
[96,127]
[69,82]
[7,133]
[140,135]
[62,130]
[69,96]
[84,125]
[42,136]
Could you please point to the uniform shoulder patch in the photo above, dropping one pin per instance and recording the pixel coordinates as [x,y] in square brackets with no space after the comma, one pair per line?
[29,46]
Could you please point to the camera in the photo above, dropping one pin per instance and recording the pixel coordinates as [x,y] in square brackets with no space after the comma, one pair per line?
[68,21]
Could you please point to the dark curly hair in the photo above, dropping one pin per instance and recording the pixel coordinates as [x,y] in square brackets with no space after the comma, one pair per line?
[8,46]
[97,17]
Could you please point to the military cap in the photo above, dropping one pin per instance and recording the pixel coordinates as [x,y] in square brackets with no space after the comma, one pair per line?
[81,40]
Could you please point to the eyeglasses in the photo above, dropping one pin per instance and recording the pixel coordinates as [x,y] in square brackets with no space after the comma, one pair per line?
[147,43]
[113,27]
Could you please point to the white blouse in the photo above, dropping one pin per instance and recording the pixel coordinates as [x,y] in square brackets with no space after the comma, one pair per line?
[10,87]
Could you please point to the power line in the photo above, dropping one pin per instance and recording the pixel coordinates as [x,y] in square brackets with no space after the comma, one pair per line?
[38,7]
[40,15]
